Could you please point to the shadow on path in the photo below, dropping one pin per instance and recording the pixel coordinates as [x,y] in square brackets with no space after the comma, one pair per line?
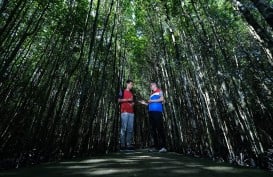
[136,164]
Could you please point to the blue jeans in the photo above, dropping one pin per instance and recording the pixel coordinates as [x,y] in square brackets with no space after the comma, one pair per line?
[127,129]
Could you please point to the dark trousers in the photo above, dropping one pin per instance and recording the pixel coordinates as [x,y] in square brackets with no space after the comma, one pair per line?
[157,129]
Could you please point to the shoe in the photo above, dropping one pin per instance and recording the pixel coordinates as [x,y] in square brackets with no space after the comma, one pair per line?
[162,150]
[152,150]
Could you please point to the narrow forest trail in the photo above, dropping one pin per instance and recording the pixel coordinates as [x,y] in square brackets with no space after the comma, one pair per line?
[64,62]
[136,164]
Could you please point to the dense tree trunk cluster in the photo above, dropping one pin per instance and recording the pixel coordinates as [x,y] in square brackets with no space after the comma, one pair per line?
[62,64]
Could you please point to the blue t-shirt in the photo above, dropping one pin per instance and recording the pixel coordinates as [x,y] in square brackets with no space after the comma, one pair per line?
[158,107]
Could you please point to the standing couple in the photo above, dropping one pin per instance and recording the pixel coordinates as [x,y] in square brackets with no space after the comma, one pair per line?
[155,108]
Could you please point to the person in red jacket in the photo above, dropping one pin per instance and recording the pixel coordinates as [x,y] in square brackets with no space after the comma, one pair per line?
[127,117]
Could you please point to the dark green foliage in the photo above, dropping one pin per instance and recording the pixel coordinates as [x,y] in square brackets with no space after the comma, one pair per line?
[63,62]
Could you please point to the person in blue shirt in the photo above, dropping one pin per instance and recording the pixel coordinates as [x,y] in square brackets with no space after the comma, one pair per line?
[155,107]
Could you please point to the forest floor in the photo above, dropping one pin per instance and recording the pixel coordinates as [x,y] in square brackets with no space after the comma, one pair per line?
[136,164]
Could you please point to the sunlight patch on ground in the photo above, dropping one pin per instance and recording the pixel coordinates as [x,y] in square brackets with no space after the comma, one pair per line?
[123,160]
[147,157]
[194,165]
[87,161]
[94,161]
[219,168]
[107,171]
[185,171]
[79,167]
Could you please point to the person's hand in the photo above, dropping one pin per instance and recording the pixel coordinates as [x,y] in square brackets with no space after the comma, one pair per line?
[143,102]
[130,99]
[150,101]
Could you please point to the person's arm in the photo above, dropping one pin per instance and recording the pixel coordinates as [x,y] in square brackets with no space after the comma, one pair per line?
[143,102]
[132,102]
[161,99]
[125,100]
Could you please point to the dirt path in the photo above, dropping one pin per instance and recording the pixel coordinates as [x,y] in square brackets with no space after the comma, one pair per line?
[136,164]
